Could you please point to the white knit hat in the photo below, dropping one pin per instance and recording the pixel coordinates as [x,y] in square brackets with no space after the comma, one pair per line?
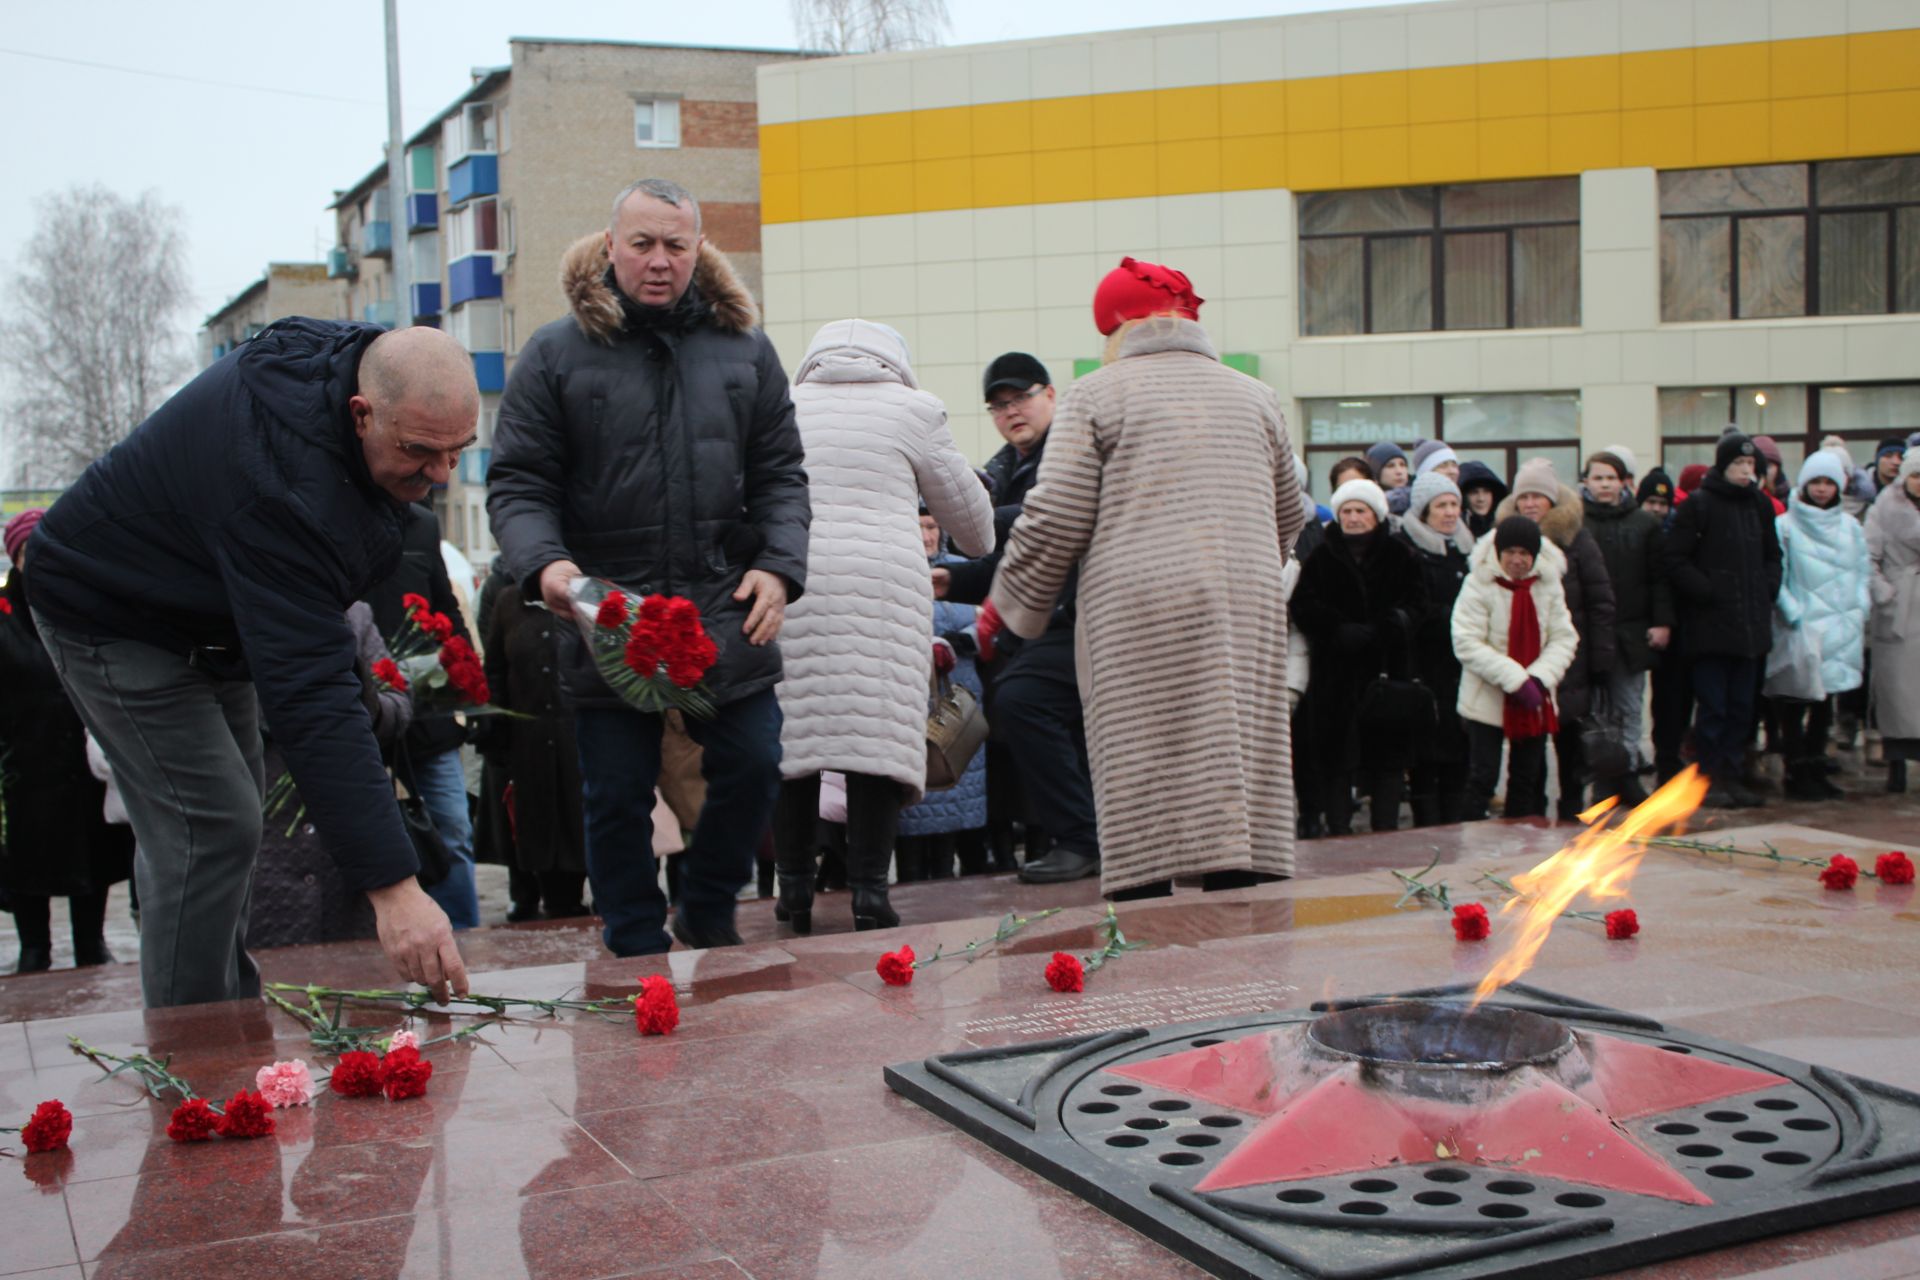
[1625,455]
[1359,490]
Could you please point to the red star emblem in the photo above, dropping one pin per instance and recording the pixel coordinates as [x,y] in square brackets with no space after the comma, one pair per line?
[1322,1119]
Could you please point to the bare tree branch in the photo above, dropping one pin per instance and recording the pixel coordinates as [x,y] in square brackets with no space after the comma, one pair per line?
[869,26]
[90,343]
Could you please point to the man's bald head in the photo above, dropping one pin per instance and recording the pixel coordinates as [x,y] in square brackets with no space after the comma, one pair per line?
[417,408]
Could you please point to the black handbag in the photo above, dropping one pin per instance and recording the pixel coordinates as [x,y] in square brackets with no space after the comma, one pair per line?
[1399,706]
[436,864]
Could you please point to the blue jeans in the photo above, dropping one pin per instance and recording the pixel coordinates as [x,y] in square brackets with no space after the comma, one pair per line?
[442,784]
[1723,690]
[619,765]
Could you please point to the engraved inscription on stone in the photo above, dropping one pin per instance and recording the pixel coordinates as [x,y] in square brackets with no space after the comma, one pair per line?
[1133,1009]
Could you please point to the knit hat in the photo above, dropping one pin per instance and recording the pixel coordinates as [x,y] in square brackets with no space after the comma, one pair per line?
[20,528]
[1427,486]
[1611,459]
[1379,455]
[1300,475]
[1839,447]
[1893,444]
[1910,463]
[1536,476]
[1820,465]
[1478,475]
[1656,485]
[1733,445]
[1360,491]
[1630,465]
[1770,450]
[1134,290]
[1517,531]
[1691,475]
[1431,454]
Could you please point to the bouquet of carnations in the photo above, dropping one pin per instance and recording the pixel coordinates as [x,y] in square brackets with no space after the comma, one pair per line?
[437,668]
[653,652]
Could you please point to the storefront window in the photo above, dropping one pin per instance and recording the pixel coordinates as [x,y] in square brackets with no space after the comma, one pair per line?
[1502,430]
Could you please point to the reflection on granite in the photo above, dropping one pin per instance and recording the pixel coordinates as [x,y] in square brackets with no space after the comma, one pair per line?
[759,1139]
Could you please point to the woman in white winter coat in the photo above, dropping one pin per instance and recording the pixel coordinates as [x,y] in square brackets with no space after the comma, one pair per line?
[1893,547]
[1823,593]
[857,649]
[1512,657]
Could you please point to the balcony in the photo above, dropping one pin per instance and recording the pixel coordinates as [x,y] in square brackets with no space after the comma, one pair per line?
[477,175]
[426,300]
[490,370]
[423,211]
[381,313]
[340,264]
[472,277]
[376,239]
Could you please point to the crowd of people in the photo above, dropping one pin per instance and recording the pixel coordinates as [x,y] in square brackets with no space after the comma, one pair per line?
[1183,665]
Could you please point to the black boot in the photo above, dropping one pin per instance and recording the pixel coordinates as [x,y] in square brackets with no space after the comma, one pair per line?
[796,831]
[971,848]
[1897,776]
[34,960]
[873,824]
[91,952]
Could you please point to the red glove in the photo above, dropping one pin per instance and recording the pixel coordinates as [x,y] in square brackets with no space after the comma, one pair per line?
[943,658]
[985,628]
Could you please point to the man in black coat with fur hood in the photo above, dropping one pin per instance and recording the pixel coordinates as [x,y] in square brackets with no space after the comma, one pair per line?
[198,577]
[648,439]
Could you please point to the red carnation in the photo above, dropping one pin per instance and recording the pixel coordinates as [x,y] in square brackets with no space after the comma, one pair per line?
[1066,973]
[896,967]
[413,602]
[356,1075]
[644,645]
[248,1116]
[1893,867]
[404,1074]
[613,610]
[1622,924]
[193,1121]
[437,625]
[1470,923]
[656,1010]
[387,672]
[6,605]
[1840,872]
[654,609]
[50,1127]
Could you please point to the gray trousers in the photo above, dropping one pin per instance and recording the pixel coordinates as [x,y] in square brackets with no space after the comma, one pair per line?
[1629,690]
[186,755]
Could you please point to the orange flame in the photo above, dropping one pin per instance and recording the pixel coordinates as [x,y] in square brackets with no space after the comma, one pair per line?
[1599,863]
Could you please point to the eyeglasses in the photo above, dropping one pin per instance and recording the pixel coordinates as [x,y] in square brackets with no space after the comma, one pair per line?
[1001,408]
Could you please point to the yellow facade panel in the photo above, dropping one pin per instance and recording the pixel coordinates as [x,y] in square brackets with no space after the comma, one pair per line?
[1883,60]
[1731,73]
[1123,119]
[1248,110]
[1059,176]
[1061,124]
[779,197]
[1253,163]
[1661,137]
[945,133]
[1513,148]
[1313,160]
[1658,78]
[886,138]
[943,184]
[1578,143]
[1184,168]
[1807,68]
[1313,104]
[1002,180]
[1120,173]
[884,189]
[779,148]
[1436,94]
[1509,90]
[1181,115]
[1881,124]
[1576,86]
[1373,100]
[1808,128]
[1003,129]
[1732,133]
[1443,152]
[829,193]
[1373,157]
[827,144]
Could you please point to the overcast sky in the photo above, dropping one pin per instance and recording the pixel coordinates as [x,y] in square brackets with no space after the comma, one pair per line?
[248,116]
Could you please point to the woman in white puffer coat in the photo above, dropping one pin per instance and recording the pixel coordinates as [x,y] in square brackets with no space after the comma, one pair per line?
[857,648]
[1824,594]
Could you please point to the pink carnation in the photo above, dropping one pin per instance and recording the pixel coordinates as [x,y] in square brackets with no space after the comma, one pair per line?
[285,1084]
[404,1039]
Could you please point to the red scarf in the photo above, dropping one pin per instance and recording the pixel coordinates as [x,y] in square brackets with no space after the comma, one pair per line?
[1523,646]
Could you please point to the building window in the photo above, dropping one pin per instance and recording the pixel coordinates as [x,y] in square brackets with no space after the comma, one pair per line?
[423,257]
[1500,430]
[656,122]
[1797,417]
[1490,255]
[473,227]
[477,129]
[476,325]
[1836,238]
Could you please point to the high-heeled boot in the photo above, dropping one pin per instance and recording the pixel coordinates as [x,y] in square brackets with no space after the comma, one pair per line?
[795,824]
[873,821]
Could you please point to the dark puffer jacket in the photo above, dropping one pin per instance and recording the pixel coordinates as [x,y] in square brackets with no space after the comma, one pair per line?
[1013,478]
[241,517]
[655,448]
[1724,562]
[1358,612]
[1589,599]
[1634,548]
[1444,564]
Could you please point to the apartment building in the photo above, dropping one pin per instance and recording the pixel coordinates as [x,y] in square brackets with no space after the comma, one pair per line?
[503,179]
[284,289]
[1527,227]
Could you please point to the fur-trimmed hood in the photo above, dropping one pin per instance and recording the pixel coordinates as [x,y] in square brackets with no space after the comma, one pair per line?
[1562,524]
[596,308]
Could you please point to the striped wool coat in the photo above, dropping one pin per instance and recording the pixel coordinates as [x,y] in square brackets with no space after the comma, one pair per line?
[1170,478]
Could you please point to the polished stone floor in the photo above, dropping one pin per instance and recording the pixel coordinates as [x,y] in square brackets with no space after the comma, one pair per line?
[759,1139]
